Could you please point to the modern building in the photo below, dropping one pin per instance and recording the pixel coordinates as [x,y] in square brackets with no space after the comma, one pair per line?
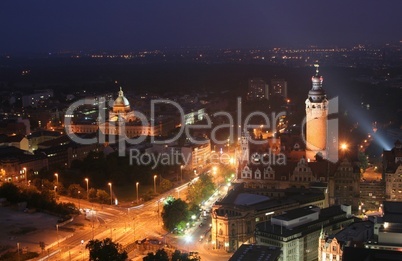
[257,90]
[247,252]
[235,216]
[297,231]
[388,229]
[279,87]
[316,119]
[193,114]
[385,242]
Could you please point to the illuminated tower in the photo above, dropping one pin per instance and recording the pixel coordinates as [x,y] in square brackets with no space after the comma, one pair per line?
[244,148]
[316,118]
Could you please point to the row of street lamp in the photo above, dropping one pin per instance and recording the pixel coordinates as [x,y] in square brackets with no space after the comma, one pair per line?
[110,187]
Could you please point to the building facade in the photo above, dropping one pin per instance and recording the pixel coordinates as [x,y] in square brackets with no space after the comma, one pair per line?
[344,187]
[235,216]
[297,231]
[393,185]
[257,90]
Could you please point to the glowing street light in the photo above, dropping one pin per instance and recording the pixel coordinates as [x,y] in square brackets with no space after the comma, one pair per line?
[57,182]
[87,181]
[111,197]
[155,176]
[79,197]
[25,175]
[188,241]
[181,173]
[344,146]
[136,188]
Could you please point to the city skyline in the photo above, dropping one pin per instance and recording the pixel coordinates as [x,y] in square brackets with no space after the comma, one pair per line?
[101,25]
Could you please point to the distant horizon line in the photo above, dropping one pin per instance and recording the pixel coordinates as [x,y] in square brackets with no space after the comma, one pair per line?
[197,47]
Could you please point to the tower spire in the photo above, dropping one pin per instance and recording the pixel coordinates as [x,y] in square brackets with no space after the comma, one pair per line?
[316,69]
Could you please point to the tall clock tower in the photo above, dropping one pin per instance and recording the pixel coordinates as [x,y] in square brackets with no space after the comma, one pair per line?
[316,118]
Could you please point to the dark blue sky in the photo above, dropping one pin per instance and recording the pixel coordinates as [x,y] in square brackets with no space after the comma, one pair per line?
[139,24]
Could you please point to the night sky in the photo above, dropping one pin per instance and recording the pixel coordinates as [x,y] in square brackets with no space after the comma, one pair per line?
[45,26]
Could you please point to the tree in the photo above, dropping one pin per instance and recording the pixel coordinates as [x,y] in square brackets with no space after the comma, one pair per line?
[75,191]
[92,194]
[174,211]
[11,192]
[102,196]
[165,185]
[159,255]
[179,256]
[200,190]
[105,250]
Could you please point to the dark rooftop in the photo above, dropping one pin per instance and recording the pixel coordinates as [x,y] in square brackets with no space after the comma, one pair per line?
[325,214]
[295,213]
[256,252]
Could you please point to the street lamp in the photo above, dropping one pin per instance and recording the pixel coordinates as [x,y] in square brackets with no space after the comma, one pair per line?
[25,175]
[181,173]
[79,197]
[155,176]
[344,146]
[136,188]
[57,182]
[87,181]
[111,197]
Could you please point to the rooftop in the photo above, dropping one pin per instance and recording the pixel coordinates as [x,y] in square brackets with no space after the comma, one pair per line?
[326,214]
[296,213]
[256,252]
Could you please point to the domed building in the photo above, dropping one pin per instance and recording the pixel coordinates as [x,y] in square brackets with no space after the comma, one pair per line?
[121,109]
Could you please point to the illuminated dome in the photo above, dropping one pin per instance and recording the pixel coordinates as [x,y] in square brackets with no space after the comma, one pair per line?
[121,103]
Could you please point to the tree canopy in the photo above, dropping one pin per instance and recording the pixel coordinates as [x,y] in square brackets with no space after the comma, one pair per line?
[201,189]
[105,250]
[174,212]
